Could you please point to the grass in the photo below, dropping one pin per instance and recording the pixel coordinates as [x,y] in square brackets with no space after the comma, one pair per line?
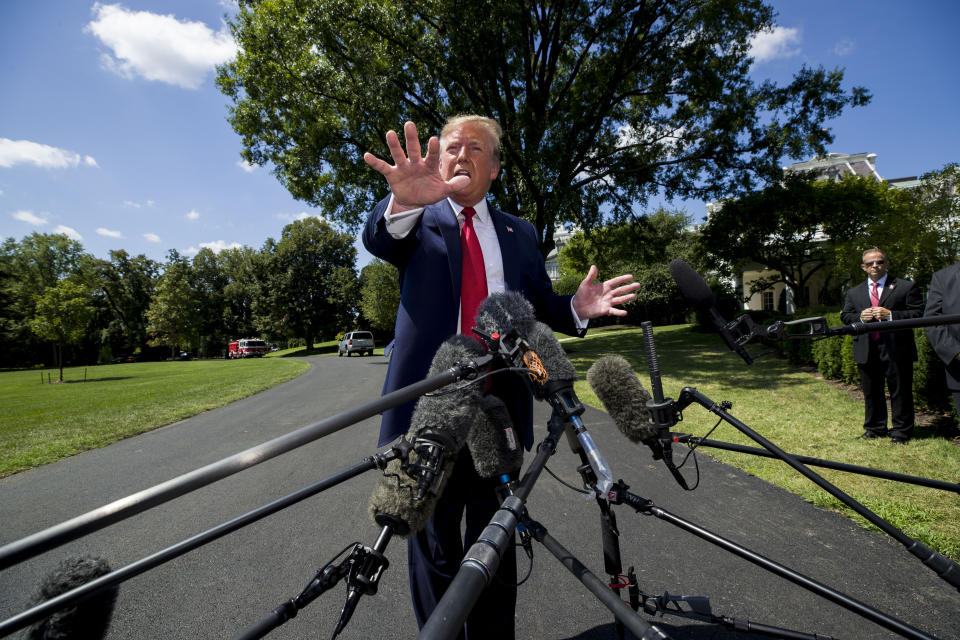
[41,423]
[801,415]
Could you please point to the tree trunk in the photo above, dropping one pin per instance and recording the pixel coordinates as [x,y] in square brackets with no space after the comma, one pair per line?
[60,359]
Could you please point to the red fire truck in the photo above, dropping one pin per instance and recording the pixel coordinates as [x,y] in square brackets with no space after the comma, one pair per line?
[247,348]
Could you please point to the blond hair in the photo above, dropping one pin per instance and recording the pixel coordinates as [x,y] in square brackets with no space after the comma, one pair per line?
[487,124]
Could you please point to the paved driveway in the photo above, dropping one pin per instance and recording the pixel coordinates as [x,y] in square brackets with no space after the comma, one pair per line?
[216,591]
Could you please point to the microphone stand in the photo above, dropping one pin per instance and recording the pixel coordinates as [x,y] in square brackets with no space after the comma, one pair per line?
[609,533]
[482,560]
[818,462]
[669,413]
[52,537]
[362,570]
[621,495]
[624,614]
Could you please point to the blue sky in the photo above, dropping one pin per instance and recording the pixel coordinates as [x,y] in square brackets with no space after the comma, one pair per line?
[113,131]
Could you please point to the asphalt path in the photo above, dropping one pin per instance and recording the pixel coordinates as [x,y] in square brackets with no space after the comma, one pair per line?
[220,589]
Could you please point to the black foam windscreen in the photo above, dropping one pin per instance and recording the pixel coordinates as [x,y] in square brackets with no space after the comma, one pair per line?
[493,443]
[693,287]
[500,312]
[89,618]
[451,414]
[445,417]
[616,385]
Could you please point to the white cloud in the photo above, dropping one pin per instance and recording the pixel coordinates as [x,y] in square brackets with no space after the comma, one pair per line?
[303,215]
[779,42]
[193,215]
[1,192]
[219,245]
[216,246]
[249,167]
[110,233]
[131,203]
[44,156]
[70,232]
[151,237]
[844,47]
[29,217]
[159,47]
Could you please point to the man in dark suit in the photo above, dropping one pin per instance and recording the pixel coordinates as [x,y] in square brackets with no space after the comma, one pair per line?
[884,356]
[436,208]
[944,299]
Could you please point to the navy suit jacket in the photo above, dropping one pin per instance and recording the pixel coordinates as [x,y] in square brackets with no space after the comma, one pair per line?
[944,299]
[429,261]
[904,302]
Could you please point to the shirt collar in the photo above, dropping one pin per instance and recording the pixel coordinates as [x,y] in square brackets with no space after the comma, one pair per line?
[482,213]
[882,281]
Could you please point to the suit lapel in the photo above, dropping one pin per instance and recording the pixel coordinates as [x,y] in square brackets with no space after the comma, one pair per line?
[507,238]
[441,216]
[888,290]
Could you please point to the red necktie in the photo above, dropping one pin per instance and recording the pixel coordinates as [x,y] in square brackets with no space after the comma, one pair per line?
[875,302]
[473,278]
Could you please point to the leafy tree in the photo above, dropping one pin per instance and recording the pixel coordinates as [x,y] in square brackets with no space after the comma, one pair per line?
[937,203]
[310,285]
[61,315]
[802,228]
[29,267]
[380,294]
[173,318]
[243,269]
[643,247]
[207,282]
[603,103]
[128,285]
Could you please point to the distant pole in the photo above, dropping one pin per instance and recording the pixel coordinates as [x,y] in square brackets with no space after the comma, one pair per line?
[84,374]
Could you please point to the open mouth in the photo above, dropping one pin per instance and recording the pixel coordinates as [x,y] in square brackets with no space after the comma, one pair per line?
[462,172]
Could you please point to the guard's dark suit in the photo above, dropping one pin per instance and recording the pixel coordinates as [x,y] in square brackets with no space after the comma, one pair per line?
[889,358]
[944,299]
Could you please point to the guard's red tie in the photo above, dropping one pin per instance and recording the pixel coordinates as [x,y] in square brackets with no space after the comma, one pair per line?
[473,278]
[875,302]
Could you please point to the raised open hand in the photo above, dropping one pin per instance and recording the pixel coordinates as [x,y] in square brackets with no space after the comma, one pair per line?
[414,180]
[595,299]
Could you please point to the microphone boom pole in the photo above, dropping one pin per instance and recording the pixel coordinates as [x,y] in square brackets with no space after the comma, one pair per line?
[184,546]
[819,462]
[621,495]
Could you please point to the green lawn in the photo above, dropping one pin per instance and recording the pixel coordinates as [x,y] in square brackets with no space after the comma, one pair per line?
[801,415]
[40,423]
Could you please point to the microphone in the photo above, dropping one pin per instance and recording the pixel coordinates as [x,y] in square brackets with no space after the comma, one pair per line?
[441,422]
[405,496]
[501,312]
[555,385]
[493,445]
[90,618]
[532,345]
[613,380]
[628,403]
[695,291]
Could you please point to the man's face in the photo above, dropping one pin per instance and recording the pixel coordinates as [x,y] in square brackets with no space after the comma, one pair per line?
[468,150]
[875,264]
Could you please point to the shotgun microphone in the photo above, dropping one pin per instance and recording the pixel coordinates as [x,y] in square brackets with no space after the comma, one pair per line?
[695,291]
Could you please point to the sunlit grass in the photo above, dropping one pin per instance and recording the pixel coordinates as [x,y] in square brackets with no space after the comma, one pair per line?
[801,415]
[41,423]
